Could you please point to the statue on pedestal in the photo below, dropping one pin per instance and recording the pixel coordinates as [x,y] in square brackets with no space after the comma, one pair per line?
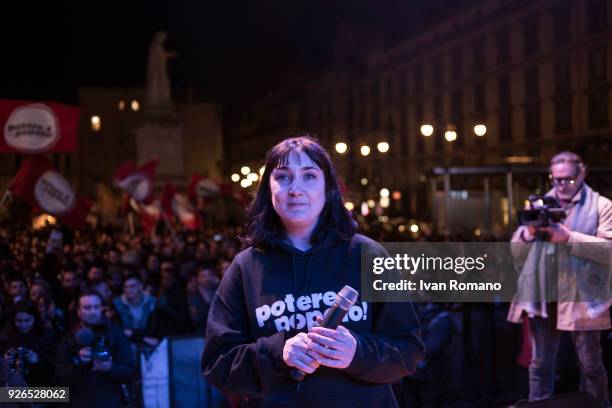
[158,83]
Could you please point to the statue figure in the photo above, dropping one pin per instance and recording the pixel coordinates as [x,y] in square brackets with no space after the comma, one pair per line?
[158,83]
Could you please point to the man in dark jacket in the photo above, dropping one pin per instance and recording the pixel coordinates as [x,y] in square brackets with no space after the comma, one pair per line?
[96,359]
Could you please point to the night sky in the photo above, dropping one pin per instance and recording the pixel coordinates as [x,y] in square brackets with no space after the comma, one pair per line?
[232,50]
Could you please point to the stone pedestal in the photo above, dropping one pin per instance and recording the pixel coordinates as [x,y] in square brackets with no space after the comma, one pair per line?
[161,136]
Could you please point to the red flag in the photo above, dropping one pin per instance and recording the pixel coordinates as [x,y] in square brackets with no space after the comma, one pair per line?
[173,203]
[137,181]
[38,127]
[149,214]
[202,187]
[40,185]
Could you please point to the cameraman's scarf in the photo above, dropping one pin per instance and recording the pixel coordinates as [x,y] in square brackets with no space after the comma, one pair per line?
[537,282]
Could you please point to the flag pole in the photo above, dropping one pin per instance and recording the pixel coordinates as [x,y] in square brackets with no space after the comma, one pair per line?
[7,196]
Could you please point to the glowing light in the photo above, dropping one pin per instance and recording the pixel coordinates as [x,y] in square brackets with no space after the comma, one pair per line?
[396,195]
[244,183]
[135,105]
[384,192]
[480,130]
[341,147]
[96,123]
[383,147]
[477,232]
[450,135]
[349,206]
[414,228]
[245,170]
[253,177]
[365,210]
[365,150]
[121,105]
[371,203]
[364,181]
[262,169]
[235,177]
[427,130]
[385,202]
[401,228]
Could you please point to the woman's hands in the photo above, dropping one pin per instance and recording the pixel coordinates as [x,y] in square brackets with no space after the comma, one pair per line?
[295,354]
[332,348]
[321,346]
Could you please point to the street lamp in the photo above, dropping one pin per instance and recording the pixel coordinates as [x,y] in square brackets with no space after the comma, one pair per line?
[341,147]
[480,130]
[364,181]
[450,135]
[235,177]
[245,170]
[384,192]
[253,177]
[427,130]
[383,147]
[365,150]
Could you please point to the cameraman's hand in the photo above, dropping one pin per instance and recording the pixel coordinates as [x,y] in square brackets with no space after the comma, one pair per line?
[295,354]
[9,356]
[102,365]
[85,355]
[31,356]
[557,233]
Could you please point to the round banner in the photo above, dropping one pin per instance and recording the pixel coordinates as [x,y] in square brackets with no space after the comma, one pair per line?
[32,128]
[54,194]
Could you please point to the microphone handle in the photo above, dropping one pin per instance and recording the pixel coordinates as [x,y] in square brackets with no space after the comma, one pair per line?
[331,321]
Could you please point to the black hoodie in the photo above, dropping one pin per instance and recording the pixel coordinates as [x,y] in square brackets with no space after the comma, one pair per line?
[268,296]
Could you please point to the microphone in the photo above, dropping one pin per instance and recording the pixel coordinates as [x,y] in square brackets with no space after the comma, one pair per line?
[84,337]
[345,299]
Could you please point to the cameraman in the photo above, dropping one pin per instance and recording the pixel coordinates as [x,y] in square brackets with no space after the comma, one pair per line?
[95,359]
[27,346]
[588,219]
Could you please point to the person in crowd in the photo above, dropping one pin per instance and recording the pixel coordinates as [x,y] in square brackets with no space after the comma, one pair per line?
[27,346]
[199,302]
[135,310]
[95,360]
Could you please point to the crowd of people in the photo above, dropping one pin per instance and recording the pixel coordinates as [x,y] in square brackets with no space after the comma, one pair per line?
[62,286]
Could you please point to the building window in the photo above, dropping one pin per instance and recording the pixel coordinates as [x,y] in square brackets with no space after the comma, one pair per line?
[598,107]
[389,89]
[404,138]
[532,83]
[456,62]
[478,50]
[505,125]
[532,120]
[456,115]
[418,78]
[531,38]
[439,122]
[597,66]
[403,83]
[436,78]
[563,113]
[375,117]
[562,75]
[503,87]
[480,101]
[375,88]
[96,123]
[503,45]
[597,13]
[561,21]
[418,115]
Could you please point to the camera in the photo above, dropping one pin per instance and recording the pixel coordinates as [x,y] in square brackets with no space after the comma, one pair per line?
[21,363]
[101,353]
[542,212]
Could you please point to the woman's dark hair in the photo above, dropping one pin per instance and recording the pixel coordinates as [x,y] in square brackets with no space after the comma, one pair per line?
[23,306]
[263,223]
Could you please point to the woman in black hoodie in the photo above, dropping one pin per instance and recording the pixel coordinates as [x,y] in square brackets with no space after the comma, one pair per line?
[263,321]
